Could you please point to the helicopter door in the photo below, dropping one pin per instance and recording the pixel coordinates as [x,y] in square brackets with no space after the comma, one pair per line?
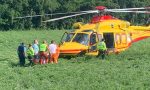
[63,38]
[109,39]
[93,44]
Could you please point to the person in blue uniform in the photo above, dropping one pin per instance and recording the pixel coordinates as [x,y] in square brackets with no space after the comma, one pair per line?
[21,54]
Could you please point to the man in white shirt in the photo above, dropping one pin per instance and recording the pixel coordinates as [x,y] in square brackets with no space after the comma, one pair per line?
[52,51]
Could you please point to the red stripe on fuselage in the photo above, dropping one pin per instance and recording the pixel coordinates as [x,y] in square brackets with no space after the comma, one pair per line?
[140,38]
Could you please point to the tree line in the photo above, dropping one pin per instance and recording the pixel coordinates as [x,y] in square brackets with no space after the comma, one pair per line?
[10,9]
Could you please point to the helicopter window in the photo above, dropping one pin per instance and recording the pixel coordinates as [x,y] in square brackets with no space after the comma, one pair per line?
[93,39]
[99,36]
[128,38]
[81,38]
[118,41]
[69,37]
[123,38]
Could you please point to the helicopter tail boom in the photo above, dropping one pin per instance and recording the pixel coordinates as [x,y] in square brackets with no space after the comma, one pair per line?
[140,33]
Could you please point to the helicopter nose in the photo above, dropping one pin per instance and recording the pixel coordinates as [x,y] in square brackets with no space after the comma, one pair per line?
[72,48]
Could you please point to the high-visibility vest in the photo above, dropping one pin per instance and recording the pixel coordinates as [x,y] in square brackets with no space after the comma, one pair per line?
[43,47]
[102,46]
[30,52]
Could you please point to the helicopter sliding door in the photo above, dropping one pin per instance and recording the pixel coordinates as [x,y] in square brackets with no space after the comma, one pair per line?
[109,40]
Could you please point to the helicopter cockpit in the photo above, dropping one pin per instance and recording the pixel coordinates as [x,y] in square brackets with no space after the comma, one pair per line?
[68,37]
[87,38]
[81,38]
[74,43]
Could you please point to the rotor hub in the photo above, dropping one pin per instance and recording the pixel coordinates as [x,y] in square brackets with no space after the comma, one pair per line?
[97,19]
[101,8]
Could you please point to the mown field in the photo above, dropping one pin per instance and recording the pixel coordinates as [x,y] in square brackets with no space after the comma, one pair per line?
[130,70]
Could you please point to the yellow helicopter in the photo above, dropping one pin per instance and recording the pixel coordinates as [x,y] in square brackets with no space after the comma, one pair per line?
[118,34]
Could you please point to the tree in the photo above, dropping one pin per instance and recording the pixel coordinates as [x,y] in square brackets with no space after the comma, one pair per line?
[9,9]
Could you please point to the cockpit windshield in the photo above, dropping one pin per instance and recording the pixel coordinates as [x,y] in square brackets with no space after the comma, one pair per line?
[81,38]
[69,37]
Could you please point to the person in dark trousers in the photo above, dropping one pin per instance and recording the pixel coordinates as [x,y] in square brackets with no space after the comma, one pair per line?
[30,53]
[102,49]
[21,54]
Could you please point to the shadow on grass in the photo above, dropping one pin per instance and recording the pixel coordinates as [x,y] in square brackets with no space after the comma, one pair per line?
[4,59]
[81,59]
[14,64]
[10,63]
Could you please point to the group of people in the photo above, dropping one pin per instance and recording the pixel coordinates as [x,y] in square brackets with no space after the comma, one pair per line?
[44,53]
[38,53]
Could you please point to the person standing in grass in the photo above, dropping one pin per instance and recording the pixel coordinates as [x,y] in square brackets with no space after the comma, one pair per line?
[36,51]
[102,49]
[30,53]
[52,51]
[43,52]
[21,54]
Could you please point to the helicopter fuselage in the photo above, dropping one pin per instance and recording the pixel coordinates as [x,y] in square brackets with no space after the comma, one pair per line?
[118,35]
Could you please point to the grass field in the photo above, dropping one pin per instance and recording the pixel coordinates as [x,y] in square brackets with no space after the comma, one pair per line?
[130,70]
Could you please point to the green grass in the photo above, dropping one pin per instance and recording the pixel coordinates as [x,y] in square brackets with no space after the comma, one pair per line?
[130,70]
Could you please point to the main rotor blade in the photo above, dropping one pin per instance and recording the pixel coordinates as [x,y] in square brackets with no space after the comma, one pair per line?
[27,16]
[87,12]
[43,15]
[130,9]
[51,14]
[146,12]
